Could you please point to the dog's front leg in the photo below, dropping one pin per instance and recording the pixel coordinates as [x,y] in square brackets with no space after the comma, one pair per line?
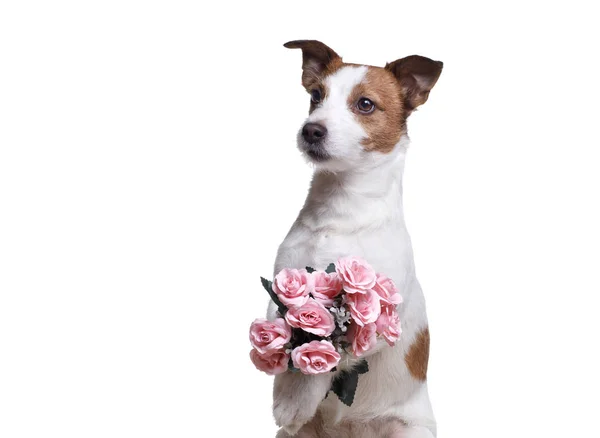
[296,397]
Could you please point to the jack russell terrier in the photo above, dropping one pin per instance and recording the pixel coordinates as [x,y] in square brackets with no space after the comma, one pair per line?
[356,137]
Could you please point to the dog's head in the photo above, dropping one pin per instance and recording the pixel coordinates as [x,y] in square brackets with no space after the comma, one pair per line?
[357,110]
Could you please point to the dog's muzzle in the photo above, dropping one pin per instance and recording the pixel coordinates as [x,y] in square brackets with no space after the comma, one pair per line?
[314,135]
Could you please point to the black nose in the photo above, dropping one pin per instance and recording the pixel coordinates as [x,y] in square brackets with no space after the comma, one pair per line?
[313,132]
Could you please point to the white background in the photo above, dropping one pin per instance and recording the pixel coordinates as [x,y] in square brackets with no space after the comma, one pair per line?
[148,172]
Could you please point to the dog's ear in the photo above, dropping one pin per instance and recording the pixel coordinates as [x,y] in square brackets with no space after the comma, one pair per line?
[316,56]
[417,76]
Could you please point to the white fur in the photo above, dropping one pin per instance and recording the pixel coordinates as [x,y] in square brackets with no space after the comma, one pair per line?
[343,130]
[354,207]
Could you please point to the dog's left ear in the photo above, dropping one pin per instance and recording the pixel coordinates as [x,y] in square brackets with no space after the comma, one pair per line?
[417,76]
[316,56]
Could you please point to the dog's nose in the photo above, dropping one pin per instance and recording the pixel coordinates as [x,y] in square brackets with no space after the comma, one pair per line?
[313,132]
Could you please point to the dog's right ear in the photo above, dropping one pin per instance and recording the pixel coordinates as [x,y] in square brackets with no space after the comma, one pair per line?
[316,56]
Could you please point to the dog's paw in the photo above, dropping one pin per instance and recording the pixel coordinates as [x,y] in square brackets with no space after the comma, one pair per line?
[291,417]
[296,398]
[282,434]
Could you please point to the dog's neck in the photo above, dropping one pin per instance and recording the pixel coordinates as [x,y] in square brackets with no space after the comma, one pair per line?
[365,198]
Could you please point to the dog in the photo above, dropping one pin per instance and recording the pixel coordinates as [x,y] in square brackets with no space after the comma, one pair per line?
[356,137]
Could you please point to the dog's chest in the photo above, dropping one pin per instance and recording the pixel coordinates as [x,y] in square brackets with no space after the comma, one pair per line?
[386,248]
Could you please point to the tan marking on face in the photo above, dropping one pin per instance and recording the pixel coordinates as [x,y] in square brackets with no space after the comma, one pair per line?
[417,357]
[386,124]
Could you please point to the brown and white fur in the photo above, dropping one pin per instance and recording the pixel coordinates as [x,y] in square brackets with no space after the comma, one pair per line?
[356,137]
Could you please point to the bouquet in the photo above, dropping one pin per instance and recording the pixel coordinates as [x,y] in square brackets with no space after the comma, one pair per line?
[323,315]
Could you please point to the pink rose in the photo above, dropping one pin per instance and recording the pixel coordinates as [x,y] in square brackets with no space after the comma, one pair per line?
[315,357]
[363,338]
[292,286]
[357,275]
[364,308]
[388,324]
[386,289]
[326,287]
[312,317]
[274,362]
[267,335]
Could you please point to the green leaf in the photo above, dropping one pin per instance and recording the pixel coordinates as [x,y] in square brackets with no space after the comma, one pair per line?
[268,285]
[310,270]
[291,366]
[330,269]
[300,337]
[344,385]
[362,367]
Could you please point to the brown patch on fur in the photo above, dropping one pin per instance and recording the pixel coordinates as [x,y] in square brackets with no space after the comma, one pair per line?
[316,80]
[417,357]
[386,124]
[417,75]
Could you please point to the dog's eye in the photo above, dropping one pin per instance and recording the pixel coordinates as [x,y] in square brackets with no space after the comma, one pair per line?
[315,96]
[364,105]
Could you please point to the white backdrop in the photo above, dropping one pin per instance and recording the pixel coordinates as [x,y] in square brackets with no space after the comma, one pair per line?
[148,172]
